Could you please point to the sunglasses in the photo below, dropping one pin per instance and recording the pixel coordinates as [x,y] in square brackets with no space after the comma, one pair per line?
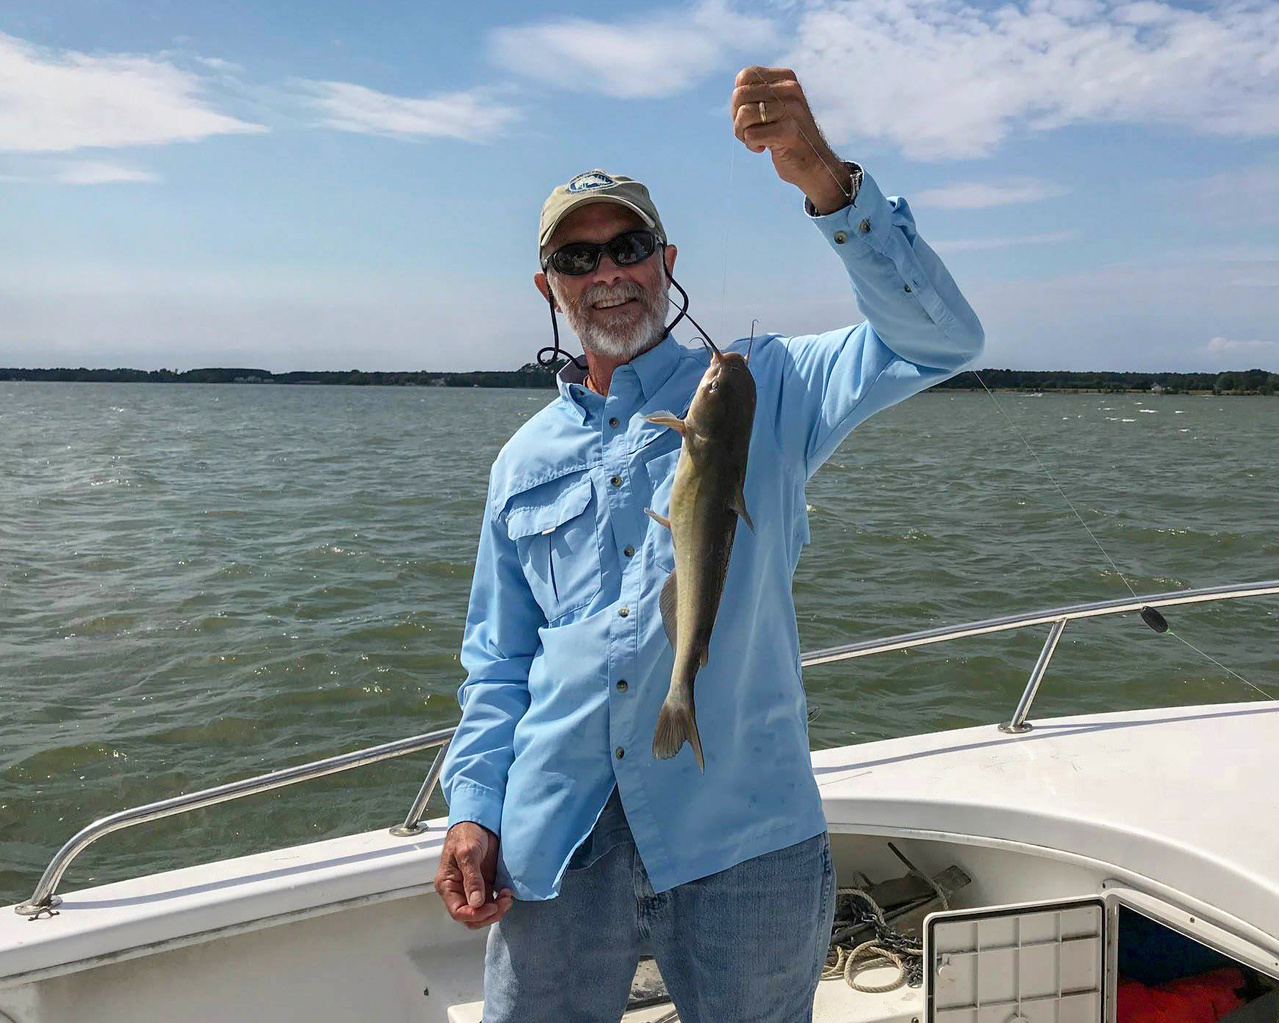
[627,249]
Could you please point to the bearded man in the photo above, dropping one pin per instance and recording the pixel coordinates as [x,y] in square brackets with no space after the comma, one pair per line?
[565,833]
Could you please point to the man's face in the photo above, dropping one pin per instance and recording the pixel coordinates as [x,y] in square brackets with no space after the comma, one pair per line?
[616,311]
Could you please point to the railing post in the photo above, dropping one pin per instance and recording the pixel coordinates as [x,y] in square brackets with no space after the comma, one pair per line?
[1018,724]
[413,822]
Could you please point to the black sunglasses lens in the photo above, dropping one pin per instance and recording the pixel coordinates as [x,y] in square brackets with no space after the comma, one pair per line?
[576,258]
[627,249]
[632,247]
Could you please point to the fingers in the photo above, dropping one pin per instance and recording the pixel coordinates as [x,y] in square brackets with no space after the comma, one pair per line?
[452,888]
[773,93]
[464,876]
[755,73]
[468,862]
[491,912]
[766,136]
[764,105]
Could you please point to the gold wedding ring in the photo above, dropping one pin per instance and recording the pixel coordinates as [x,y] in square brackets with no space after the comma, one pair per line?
[763,114]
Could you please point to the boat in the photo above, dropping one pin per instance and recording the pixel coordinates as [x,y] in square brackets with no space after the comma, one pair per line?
[1045,859]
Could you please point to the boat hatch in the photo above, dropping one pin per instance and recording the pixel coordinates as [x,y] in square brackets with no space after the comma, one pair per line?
[1042,963]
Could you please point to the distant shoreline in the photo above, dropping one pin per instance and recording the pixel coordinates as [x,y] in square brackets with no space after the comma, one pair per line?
[532,376]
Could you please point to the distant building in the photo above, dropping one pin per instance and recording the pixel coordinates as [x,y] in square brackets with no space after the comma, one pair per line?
[1156,388]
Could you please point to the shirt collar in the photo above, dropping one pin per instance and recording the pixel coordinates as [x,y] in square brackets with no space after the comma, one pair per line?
[570,381]
[652,368]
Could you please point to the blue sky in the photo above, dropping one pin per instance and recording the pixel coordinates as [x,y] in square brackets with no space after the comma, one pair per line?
[333,186]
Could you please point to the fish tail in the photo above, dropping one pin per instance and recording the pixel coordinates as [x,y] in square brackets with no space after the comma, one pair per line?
[677,724]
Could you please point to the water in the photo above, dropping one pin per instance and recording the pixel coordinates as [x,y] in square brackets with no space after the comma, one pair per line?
[199,583]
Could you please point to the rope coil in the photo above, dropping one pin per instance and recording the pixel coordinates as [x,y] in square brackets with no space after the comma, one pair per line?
[887,948]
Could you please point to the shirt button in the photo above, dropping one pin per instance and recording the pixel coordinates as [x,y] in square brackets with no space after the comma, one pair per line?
[623,611]
[908,289]
[620,753]
[629,551]
[841,237]
[613,422]
[864,226]
[617,480]
[621,685]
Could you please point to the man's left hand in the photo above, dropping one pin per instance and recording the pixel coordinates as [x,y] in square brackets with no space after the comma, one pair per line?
[789,132]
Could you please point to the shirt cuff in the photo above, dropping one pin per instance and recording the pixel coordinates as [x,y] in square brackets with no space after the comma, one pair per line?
[854,176]
[471,802]
[865,222]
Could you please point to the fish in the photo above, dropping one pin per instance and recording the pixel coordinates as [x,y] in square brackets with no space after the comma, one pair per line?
[707,499]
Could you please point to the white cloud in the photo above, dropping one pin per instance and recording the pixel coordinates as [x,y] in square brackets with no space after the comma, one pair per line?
[1220,346]
[101,172]
[462,115]
[656,56]
[57,101]
[970,244]
[1252,191]
[980,195]
[951,79]
[77,172]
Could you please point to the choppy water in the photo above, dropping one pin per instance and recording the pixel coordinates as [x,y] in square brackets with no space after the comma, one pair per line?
[198,583]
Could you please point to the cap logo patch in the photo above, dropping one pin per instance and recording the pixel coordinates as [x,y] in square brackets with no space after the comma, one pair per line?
[589,181]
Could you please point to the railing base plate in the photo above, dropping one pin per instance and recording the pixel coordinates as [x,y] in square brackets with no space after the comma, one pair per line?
[35,909]
[400,831]
[1008,728]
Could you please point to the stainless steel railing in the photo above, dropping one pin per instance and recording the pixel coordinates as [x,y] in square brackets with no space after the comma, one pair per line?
[1057,618]
[43,899]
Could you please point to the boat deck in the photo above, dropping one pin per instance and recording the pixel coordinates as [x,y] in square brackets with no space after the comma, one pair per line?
[836,1002]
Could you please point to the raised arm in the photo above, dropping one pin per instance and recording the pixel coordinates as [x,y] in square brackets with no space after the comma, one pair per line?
[918,330]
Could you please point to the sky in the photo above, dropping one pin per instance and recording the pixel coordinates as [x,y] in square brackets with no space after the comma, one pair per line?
[325,185]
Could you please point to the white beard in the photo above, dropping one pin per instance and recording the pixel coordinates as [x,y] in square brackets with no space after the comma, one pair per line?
[622,342]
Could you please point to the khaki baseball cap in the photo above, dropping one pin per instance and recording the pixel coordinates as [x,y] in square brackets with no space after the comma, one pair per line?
[596,186]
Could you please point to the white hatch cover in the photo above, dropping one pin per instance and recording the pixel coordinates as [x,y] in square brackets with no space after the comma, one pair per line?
[1039,963]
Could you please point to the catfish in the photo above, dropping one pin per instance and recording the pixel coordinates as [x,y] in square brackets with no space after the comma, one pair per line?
[707,499]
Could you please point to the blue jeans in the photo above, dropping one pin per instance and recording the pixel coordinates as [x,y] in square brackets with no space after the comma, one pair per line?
[745,945]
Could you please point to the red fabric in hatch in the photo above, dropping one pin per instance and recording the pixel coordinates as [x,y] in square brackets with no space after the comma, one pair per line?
[1201,999]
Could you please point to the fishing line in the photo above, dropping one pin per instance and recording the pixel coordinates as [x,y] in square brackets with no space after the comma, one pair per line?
[1008,419]
[800,128]
[728,221]
[1108,558]
[1068,501]
[1222,666]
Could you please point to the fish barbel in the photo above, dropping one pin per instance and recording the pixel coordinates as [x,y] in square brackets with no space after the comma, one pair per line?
[706,502]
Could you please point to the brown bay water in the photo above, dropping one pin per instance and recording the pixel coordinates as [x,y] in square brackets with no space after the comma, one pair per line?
[200,583]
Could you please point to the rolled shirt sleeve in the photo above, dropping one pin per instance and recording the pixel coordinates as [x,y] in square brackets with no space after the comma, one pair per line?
[498,646]
[919,329]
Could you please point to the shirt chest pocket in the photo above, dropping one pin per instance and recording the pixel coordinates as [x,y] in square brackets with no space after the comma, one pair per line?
[554,530]
[658,460]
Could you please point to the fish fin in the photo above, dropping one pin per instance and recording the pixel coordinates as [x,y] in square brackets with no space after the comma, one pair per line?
[669,604]
[665,418]
[676,725]
[738,504]
[661,520]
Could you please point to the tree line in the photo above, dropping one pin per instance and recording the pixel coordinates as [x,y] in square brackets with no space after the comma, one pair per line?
[528,375]
[1251,381]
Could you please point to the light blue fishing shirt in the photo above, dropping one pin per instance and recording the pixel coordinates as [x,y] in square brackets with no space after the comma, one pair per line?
[566,658]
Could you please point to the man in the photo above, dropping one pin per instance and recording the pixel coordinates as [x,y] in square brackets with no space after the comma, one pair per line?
[555,797]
